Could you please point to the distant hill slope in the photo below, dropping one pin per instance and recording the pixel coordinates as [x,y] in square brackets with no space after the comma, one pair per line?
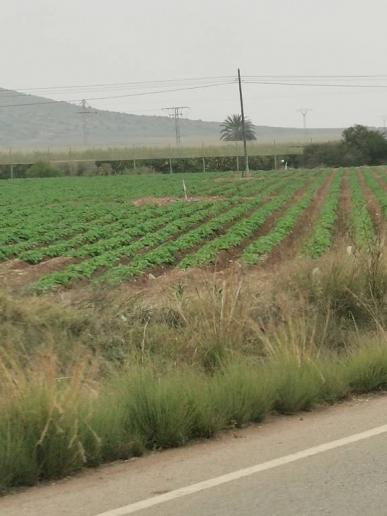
[59,124]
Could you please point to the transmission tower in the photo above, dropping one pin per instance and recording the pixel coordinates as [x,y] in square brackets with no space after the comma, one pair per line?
[86,111]
[304,112]
[176,112]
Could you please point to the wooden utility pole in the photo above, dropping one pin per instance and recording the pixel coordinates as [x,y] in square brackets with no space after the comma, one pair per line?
[246,170]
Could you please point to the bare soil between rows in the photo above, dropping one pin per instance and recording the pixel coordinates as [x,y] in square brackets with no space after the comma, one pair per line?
[290,245]
[16,273]
[372,204]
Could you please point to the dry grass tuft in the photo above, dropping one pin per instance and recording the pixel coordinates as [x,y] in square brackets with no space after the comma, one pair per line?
[111,374]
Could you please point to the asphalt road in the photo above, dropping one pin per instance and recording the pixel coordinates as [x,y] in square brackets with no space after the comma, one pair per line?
[331,461]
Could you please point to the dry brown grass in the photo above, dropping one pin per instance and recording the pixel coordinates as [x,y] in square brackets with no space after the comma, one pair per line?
[91,376]
[198,317]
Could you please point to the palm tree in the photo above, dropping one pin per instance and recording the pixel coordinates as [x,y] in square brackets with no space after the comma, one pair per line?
[232,129]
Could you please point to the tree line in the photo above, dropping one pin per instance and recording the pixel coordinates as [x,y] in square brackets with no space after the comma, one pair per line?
[358,146]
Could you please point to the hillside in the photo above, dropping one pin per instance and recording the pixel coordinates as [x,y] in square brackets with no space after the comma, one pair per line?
[59,124]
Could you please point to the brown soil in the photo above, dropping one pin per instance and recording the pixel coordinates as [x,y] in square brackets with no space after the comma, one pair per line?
[157,201]
[289,247]
[162,281]
[341,233]
[223,260]
[381,182]
[226,258]
[15,273]
[163,201]
[157,271]
[372,204]
[225,227]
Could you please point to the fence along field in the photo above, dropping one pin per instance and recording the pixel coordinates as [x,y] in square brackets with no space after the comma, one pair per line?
[146,152]
[108,230]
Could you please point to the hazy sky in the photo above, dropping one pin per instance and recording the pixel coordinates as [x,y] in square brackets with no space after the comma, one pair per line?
[47,43]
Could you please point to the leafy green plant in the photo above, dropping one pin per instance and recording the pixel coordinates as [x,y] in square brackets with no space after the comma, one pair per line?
[361,226]
[320,240]
[282,227]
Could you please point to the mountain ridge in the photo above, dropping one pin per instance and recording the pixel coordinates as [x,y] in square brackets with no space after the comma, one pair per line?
[42,123]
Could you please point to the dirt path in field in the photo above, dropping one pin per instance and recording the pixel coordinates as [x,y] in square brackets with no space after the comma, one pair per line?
[372,203]
[381,182]
[290,245]
[15,274]
[341,237]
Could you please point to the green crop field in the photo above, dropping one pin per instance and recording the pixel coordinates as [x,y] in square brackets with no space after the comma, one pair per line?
[113,229]
[293,317]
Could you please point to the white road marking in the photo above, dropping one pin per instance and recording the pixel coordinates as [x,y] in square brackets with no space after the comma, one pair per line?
[246,472]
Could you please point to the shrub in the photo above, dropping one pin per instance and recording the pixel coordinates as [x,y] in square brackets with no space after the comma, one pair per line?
[359,146]
[367,367]
[43,170]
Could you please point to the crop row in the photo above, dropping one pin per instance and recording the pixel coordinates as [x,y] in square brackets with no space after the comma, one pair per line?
[45,224]
[238,232]
[361,227]
[34,249]
[124,238]
[119,272]
[321,238]
[99,236]
[378,192]
[282,227]
[109,259]
[36,230]
[166,254]
[29,195]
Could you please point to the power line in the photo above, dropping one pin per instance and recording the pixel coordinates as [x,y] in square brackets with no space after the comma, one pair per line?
[116,84]
[318,85]
[138,82]
[184,79]
[271,80]
[318,76]
[264,78]
[110,97]
[246,80]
